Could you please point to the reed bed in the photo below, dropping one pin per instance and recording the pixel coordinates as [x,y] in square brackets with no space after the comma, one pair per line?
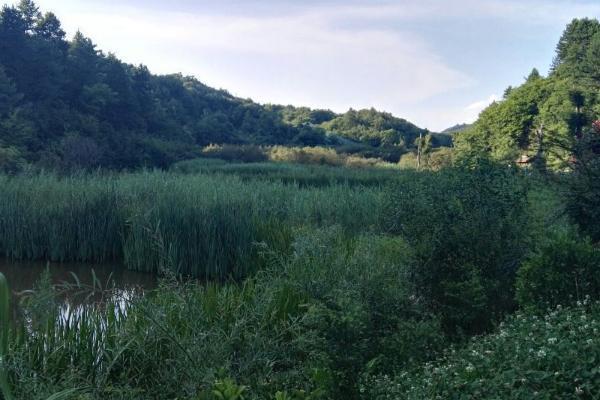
[301,175]
[203,225]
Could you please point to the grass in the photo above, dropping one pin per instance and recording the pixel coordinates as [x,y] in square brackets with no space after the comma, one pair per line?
[327,303]
[4,321]
[205,225]
[312,321]
[301,175]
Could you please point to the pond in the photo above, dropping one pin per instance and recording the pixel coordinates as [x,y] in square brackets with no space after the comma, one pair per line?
[23,275]
[77,284]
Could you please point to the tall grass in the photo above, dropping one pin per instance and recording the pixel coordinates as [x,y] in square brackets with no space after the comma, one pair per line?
[4,320]
[301,175]
[200,225]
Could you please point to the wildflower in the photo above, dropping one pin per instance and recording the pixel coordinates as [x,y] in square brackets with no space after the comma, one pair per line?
[541,353]
[578,390]
[552,340]
[470,368]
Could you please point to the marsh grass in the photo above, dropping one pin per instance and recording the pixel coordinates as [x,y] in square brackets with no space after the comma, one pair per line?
[301,175]
[206,225]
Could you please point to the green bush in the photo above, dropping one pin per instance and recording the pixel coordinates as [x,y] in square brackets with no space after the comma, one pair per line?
[468,229]
[564,270]
[241,153]
[553,357]
[583,194]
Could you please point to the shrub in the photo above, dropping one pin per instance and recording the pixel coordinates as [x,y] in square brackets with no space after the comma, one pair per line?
[564,270]
[583,195]
[554,357]
[468,229]
[242,153]
[306,155]
[337,308]
[11,160]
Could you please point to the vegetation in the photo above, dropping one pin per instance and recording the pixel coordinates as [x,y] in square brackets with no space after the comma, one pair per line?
[529,356]
[545,118]
[207,225]
[67,105]
[297,259]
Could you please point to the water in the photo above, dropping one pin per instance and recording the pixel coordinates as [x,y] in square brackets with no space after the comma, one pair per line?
[77,285]
[22,276]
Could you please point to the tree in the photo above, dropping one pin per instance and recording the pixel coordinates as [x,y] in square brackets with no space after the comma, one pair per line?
[30,14]
[49,28]
[572,49]
[8,94]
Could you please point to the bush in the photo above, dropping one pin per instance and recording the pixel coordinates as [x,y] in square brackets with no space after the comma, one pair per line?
[11,161]
[564,270]
[468,229]
[317,320]
[555,357]
[306,155]
[583,196]
[229,152]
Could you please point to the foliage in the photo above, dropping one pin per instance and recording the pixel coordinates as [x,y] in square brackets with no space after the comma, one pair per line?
[564,270]
[544,118]
[307,327]
[468,229]
[244,153]
[583,187]
[4,321]
[67,105]
[555,356]
[375,127]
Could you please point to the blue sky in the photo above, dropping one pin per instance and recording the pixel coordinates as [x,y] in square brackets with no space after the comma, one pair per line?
[433,62]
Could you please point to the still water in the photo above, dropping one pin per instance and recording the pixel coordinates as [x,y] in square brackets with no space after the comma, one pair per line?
[77,285]
[22,276]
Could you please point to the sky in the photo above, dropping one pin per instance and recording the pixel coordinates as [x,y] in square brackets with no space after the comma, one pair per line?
[434,62]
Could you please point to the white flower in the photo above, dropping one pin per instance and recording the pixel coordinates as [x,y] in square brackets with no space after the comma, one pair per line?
[552,340]
[541,353]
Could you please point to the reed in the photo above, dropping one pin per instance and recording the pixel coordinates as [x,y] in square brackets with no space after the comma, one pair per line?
[204,225]
[4,321]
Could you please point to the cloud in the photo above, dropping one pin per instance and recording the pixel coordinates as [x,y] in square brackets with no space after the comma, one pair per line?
[304,57]
[480,105]
[333,54]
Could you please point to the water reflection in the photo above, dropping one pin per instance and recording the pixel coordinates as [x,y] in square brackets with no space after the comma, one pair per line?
[76,288]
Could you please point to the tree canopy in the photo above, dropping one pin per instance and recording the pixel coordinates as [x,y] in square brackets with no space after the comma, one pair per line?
[67,104]
[543,119]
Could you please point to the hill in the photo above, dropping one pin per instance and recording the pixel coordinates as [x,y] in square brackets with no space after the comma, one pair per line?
[67,105]
[542,120]
[457,128]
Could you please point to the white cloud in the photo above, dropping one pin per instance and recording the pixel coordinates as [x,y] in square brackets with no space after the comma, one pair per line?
[480,105]
[304,58]
[333,55]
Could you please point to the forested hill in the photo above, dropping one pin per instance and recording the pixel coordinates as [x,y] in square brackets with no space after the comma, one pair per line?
[66,104]
[542,120]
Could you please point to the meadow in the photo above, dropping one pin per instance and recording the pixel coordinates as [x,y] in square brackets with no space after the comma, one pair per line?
[282,281]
